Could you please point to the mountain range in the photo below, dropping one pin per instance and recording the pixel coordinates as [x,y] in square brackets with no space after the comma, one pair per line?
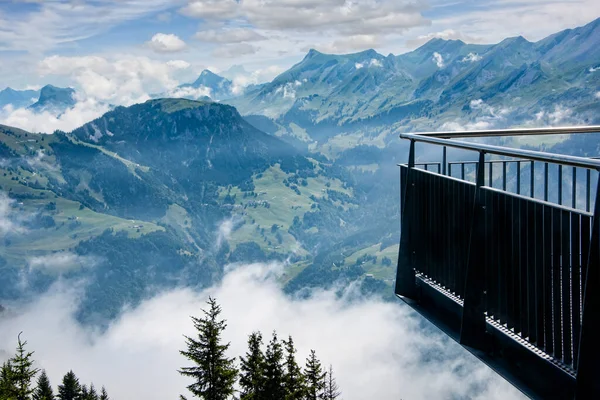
[301,169]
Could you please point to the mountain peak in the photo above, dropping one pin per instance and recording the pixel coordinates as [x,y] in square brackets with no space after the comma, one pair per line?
[312,53]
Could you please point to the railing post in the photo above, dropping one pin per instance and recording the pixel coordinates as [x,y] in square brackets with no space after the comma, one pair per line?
[473,329]
[588,368]
[405,275]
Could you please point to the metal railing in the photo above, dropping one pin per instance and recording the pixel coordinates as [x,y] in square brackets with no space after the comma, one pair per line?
[487,263]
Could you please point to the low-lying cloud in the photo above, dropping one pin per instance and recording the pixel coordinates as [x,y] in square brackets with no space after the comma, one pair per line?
[61,262]
[438,59]
[378,350]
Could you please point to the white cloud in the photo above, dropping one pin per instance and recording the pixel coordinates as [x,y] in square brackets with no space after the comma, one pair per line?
[242,79]
[350,18]
[8,223]
[560,115]
[124,81]
[471,57]
[166,43]
[234,50]
[350,43]
[405,357]
[47,122]
[594,69]
[53,23]
[189,92]
[375,63]
[58,263]
[178,64]
[372,63]
[448,34]
[598,95]
[232,35]
[438,59]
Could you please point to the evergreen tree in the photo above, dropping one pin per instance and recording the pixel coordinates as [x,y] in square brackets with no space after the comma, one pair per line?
[85,394]
[332,390]
[70,388]
[103,394]
[92,395]
[252,369]
[7,386]
[43,391]
[274,373]
[315,377]
[293,379]
[23,371]
[214,373]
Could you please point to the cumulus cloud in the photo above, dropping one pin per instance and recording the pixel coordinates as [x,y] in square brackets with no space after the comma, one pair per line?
[166,43]
[235,50]
[438,59]
[597,95]
[101,82]
[189,92]
[242,79]
[390,354]
[372,63]
[448,34]
[48,122]
[560,115]
[594,69]
[61,262]
[350,43]
[178,64]
[351,18]
[232,35]
[471,57]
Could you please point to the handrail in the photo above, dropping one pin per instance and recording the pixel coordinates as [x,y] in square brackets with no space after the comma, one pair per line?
[513,132]
[509,152]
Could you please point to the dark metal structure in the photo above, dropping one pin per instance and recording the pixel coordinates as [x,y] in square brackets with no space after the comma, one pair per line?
[493,254]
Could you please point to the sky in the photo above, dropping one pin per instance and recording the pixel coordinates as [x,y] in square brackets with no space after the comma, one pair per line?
[164,42]
[122,52]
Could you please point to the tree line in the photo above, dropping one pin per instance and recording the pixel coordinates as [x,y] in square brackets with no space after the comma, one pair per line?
[17,377]
[273,374]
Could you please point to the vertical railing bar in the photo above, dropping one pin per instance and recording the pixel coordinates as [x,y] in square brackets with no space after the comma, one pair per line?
[449,169]
[518,177]
[545,181]
[462,171]
[574,199]
[588,197]
[444,159]
[560,179]
[491,175]
[532,179]
[504,175]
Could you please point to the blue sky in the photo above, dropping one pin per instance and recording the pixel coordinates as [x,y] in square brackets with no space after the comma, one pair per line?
[101,44]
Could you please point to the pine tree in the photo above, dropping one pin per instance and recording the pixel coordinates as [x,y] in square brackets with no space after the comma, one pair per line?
[85,394]
[214,373]
[274,373]
[315,377]
[23,371]
[92,395]
[332,390]
[293,380]
[7,386]
[70,388]
[43,391]
[252,369]
[103,394]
